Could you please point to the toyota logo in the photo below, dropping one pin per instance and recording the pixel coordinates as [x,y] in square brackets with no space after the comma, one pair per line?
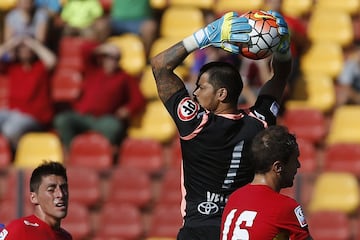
[208,208]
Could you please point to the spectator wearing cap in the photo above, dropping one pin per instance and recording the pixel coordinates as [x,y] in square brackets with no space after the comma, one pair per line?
[110,97]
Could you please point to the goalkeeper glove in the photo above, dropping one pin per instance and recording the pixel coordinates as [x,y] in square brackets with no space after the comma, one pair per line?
[224,33]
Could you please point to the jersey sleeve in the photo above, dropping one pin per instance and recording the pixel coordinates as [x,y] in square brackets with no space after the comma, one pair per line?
[292,219]
[186,113]
[13,231]
[266,109]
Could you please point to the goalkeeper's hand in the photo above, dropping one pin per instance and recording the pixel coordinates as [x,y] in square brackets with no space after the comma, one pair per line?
[226,33]
[283,48]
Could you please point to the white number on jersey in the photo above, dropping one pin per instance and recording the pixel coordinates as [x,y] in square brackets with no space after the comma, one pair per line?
[238,233]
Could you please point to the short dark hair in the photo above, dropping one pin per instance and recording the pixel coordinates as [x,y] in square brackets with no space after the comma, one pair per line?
[224,75]
[45,169]
[274,143]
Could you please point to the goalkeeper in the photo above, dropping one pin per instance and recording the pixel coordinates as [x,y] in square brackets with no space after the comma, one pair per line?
[215,135]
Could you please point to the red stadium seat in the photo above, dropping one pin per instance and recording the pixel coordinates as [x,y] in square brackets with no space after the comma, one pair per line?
[5,153]
[66,85]
[329,225]
[343,157]
[71,53]
[170,189]
[165,221]
[91,150]
[306,123]
[144,154]
[308,157]
[120,221]
[130,185]
[84,186]
[77,221]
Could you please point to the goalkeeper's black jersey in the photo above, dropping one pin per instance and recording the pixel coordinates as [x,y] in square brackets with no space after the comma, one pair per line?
[215,153]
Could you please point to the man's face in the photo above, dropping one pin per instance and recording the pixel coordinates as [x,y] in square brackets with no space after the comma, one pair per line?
[290,170]
[205,94]
[51,199]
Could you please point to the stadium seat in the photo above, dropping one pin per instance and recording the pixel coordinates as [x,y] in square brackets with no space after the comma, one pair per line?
[308,157]
[66,85]
[170,188]
[337,191]
[202,4]
[148,85]
[342,157]
[3,91]
[351,7]
[91,150]
[120,221]
[175,155]
[323,58]
[6,5]
[344,127]
[165,221]
[131,186]
[148,158]
[223,6]
[35,147]
[306,123]
[322,23]
[297,8]
[71,53]
[132,50]
[155,123]
[319,93]
[329,225]
[77,221]
[179,22]
[5,153]
[84,186]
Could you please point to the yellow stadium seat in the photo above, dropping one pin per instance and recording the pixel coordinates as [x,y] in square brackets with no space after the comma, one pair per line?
[155,123]
[148,85]
[349,6]
[158,4]
[323,22]
[319,90]
[223,6]
[162,43]
[296,8]
[35,147]
[180,22]
[337,191]
[345,127]
[323,58]
[133,58]
[6,5]
[203,4]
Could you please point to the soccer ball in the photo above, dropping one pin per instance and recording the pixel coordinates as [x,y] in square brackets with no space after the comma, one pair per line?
[264,37]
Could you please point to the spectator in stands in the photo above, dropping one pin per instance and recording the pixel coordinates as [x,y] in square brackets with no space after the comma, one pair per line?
[84,18]
[110,97]
[127,17]
[29,99]
[49,194]
[26,20]
[348,81]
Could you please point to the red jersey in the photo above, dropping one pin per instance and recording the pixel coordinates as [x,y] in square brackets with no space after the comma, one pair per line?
[258,212]
[32,227]
[29,91]
[104,94]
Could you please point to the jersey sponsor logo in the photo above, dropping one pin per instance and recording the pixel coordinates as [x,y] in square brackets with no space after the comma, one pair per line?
[187,109]
[30,223]
[300,216]
[208,208]
[3,234]
[274,108]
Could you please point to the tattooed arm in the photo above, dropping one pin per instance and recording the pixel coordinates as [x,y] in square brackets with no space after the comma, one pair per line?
[163,66]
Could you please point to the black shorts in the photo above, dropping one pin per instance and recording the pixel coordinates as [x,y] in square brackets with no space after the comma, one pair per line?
[199,233]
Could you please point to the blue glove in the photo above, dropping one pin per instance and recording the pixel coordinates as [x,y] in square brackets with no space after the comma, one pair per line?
[225,33]
[284,45]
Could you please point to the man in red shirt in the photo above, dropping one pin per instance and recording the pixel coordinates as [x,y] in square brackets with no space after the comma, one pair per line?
[257,210]
[49,194]
[109,98]
[29,100]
